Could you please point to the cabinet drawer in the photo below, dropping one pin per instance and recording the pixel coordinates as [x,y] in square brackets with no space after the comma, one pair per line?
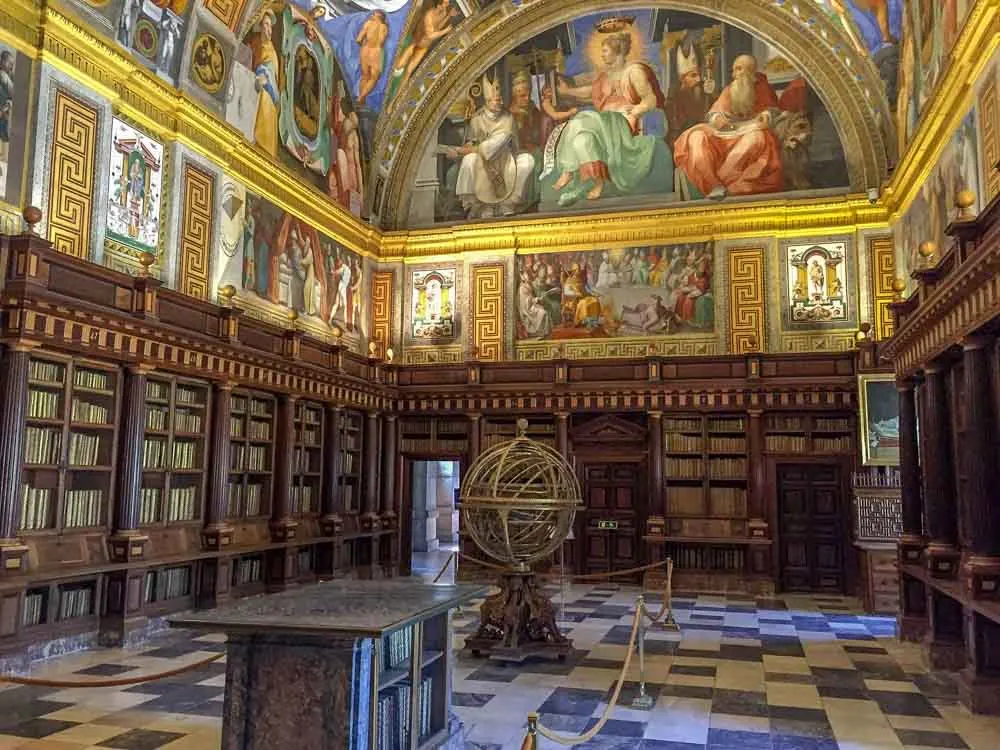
[883,563]
[885,603]
[885,583]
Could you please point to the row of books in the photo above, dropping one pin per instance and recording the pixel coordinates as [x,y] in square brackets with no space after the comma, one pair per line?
[185,421]
[247,570]
[727,468]
[308,436]
[727,444]
[310,416]
[250,458]
[303,461]
[180,504]
[41,444]
[685,501]
[154,453]
[727,501]
[166,584]
[492,440]
[260,430]
[684,468]
[426,696]
[706,558]
[258,407]
[840,444]
[82,508]
[346,463]
[393,729]
[84,449]
[727,425]
[92,379]
[683,443]
[829,424]
[43,404]
[783,422]
[35,508]
[46,372]
[252,494]
[302,499]
[682,425]
[88,413]
[156,419]
[785,443]
[236,427]
[34,608]
[157,391]
[189,396]
[75,602]
[398,647]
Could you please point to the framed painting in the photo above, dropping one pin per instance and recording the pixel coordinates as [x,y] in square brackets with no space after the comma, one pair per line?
[879,420]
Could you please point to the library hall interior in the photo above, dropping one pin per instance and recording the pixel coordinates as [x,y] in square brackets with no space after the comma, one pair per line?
[500,374]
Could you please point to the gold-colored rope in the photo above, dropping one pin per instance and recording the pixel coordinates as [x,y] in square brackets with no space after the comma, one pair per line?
[119,682]
[447,562]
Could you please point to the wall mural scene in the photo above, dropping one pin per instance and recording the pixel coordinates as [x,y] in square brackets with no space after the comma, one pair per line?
[153,30]
[433,299]
[15,85]
[637,291]
[284,261]
[817,284]
[134,189]
[934,206]
[610,107]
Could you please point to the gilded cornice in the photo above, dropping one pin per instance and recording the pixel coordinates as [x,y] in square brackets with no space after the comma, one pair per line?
[170,115]
[971,54]
[851,92]
[660,227]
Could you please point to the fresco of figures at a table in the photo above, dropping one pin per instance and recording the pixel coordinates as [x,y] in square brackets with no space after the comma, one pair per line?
[636,291]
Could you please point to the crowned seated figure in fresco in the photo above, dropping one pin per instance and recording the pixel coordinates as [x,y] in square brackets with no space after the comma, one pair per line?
[604,148]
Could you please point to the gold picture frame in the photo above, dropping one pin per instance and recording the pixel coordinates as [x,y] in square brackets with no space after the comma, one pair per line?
[878,419]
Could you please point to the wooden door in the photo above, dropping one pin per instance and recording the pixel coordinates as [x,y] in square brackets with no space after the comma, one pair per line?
[612,516]
[810,506]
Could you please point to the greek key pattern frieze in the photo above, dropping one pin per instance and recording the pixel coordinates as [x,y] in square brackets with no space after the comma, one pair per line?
[747,317]
[882,269]
[988,114]
[71,176]
[382,313]
[196,231]
[819,341]
[538,351]
[488,281]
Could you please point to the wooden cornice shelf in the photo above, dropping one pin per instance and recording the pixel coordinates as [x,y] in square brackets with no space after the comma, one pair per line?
[953,589]
[716,541]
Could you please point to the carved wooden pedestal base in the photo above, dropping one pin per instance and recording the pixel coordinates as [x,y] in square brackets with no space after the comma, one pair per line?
[942,560]
[981,695]
[518,623]
[982,577]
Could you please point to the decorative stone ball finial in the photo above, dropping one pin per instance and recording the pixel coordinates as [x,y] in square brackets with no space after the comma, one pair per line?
[337,332]
[146,260]
[389,354]
[31,215]
[226,293]
[927,250]
[964,201]
[898,286]
[292,316]
[522,427]
[372,348]
[864,332]
[752,343]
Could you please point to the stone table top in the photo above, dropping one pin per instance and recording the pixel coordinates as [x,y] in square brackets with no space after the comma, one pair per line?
[336,608]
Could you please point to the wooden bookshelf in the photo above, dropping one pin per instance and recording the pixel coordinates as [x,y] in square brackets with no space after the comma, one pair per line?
[349,477]
[70,443]
[446,436]
[251,470]
[307,472]
[498,430]
[168,589]
[807,434]
[412,685]
[174,451]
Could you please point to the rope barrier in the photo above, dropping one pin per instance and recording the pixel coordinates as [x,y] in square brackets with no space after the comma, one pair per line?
[41,682]
[638,634]
[447,562]
[574,577]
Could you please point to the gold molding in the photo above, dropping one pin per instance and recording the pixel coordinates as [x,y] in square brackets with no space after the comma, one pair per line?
[881,275]
[747,299]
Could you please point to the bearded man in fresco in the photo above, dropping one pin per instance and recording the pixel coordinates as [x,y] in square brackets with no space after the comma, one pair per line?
[687,103]
[735,152]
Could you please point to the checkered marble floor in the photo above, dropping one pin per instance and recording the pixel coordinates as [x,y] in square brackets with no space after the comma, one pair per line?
[795,673]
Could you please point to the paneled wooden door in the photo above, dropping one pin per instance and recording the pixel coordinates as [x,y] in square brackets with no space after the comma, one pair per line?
[613,516]
[811,509]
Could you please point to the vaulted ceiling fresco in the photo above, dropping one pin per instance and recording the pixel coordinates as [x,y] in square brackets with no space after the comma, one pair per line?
[371,101]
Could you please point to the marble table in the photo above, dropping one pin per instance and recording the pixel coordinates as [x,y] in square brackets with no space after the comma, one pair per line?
[308,668]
